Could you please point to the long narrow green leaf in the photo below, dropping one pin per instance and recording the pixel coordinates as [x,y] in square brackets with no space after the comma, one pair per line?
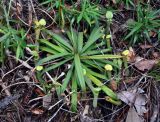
[96,34]
[55,47]
[95,73]
[101,57]
[93,64]
[67,79]
[79,72]
[74,95]
[94,52]
[80,41]
[95,92]
[62,41]
[136,28]
[108,62]
[49,50]
[44,60]
[107,90]
[69,34]
[56,65]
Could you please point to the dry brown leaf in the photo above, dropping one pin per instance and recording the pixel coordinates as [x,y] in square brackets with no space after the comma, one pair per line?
[131,56]
[156,55]
[37,111]
[140,103]
[130,80]
[136,98]
[146,46]
[127,96]
[133,116]
[144,65]
[113,85]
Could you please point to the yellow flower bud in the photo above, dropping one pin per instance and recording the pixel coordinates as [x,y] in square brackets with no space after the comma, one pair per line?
[109,15]
[108,67]
[36,23]
[39,68]
[125,53]
[108,36]
[42,22]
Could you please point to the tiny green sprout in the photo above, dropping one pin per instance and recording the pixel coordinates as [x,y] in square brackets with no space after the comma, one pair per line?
[42,22]
[109,15]
[39,68]
[108,68]
[125,54]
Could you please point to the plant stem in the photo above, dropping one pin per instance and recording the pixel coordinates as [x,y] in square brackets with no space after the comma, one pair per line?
[107,90]
[126,65]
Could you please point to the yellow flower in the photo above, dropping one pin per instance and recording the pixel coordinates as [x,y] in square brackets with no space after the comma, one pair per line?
[36,23]
[42,22]
[125,53]
[108,36]
[39,68]
[108,67]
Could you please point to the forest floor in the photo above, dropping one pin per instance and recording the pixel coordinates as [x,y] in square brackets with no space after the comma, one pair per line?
[79,60]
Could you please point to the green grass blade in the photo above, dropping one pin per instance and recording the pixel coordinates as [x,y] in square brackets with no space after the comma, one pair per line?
[136,28]
[79,72]
[5,37]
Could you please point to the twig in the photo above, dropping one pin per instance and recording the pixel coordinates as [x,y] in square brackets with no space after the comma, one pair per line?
[6,87]
[50,120]
[33,9]
[23,64]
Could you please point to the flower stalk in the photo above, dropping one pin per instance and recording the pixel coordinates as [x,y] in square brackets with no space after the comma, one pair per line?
[125,58]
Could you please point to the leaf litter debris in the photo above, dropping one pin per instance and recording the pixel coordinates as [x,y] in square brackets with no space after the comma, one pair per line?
[135,98]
